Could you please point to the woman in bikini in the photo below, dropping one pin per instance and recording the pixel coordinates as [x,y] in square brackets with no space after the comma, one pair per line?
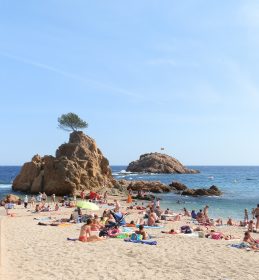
[85,233]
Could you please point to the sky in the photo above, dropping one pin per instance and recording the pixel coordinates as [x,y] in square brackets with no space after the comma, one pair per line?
[147,74]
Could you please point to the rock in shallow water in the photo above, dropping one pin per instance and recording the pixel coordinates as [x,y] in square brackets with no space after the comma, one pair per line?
[158,163]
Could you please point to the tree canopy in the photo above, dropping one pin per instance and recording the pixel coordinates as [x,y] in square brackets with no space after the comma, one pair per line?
[71,122]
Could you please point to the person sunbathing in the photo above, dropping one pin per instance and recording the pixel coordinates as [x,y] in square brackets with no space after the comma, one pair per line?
[142,232]
[86,234]
[214,235]
[172,231]
[131,224]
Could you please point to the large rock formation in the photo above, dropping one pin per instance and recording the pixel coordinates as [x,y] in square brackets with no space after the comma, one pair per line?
[78,165]
[158,163]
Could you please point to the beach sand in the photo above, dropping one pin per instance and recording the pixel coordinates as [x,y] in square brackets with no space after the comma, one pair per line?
[30,251]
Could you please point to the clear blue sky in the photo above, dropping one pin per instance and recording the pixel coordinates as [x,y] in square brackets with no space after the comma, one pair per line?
[144,74]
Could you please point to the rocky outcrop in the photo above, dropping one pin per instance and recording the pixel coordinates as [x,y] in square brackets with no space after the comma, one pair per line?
[11,198]
[212,191]
[178,186]
[158,163]
[146,186]
[78,165]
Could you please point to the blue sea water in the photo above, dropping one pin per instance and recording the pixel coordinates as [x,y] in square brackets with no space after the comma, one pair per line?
[240,186]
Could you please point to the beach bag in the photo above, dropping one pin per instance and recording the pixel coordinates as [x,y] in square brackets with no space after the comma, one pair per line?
[186,229]
[103,232]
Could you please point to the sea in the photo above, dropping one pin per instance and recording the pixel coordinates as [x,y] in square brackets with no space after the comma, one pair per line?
[239,184]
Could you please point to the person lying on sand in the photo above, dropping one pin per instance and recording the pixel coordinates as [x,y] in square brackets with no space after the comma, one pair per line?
[219,235]
[86,234]
[131,224]
[142,232]
[172,231]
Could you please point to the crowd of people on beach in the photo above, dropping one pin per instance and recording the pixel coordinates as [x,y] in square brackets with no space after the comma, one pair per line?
[150,215]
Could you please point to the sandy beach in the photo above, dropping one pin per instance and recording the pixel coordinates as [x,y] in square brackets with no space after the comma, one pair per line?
[30,251]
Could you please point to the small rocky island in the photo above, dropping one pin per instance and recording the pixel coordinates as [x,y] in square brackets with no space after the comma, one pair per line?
[158,163]
[78,165]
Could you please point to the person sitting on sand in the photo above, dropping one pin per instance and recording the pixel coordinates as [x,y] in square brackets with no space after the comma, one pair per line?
[110,221]
[230,222]
[152,218]
[248,238]
[142,232]
[251,226]
[56,207]
[86,234]
[186,212]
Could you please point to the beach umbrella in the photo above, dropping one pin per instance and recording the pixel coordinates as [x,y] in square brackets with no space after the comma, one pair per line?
[87,205]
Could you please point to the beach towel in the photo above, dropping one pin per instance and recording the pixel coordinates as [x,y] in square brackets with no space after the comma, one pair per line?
[151,226]
[241,245]
[148,242]
[43,219]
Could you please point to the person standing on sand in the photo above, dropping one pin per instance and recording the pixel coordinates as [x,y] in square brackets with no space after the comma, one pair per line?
[53,198]
[206,212]
[105,196]
[256,213]
[246,220]
[82,194]
[44,197]
[25,201]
